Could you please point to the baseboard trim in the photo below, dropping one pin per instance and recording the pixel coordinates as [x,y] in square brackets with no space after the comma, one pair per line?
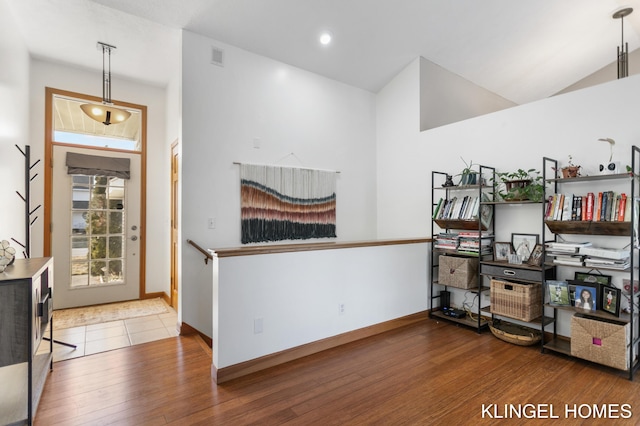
[223,375]
[160,294]
[186,329]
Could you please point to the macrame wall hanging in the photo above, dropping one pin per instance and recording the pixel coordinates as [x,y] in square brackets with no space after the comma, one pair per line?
[285,203]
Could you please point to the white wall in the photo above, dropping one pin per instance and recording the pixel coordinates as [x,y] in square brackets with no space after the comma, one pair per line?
[446,97]
[510,139]
[14,126]
[59,76]
[296,296]
[325,124]
[606,74]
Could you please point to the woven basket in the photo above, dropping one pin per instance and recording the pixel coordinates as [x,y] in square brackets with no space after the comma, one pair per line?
[515,300]
[458,272]
[597,340]
[514,333]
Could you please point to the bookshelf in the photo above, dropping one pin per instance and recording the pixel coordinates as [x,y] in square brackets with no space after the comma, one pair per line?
[588,230]
[461,226]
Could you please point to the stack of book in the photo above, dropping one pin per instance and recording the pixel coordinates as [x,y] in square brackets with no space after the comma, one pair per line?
[566,253]
[470,242]
[447,241]
[463,208]
[465,242]
[604,206]
[597,257]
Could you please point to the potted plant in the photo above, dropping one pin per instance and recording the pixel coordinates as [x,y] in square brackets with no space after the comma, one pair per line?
[570,170]
[520,185]
[468,176]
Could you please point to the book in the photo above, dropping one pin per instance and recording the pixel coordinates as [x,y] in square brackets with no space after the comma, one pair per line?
[552,210]
[598,207]
[559,207]
[603,207]
[447,211]
[607,253]
[572,261]
[606,263]
[615,202]
[437,209]
[589,212]
[548,207]
[622,208]
[566,247]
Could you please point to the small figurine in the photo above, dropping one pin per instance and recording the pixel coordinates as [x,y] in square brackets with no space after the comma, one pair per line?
[449,181]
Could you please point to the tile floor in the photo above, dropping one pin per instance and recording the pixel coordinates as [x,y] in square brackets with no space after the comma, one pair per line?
[91,339]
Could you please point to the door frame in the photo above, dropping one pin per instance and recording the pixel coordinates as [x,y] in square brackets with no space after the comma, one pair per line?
[48,173]
[175,229]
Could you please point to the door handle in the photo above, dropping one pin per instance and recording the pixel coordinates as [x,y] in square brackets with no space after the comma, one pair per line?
[134,238]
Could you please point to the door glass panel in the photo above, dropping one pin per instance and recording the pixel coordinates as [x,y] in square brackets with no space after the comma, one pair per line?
[98,227]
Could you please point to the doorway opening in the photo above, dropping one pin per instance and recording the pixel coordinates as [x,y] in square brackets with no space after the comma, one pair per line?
[94,221]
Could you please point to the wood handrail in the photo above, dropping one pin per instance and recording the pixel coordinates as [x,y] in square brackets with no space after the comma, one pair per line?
[298,247]
[207,254]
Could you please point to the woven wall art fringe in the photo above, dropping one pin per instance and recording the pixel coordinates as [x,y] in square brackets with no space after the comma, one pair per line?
[284,203]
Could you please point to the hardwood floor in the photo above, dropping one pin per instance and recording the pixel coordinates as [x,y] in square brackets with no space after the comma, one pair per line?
[431,373]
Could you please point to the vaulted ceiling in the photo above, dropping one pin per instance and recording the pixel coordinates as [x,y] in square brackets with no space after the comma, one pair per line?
[522,51]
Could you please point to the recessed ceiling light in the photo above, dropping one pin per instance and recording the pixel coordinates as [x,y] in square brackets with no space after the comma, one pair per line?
[325,38]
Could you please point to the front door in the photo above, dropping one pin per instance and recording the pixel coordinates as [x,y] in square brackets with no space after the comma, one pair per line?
[95,232]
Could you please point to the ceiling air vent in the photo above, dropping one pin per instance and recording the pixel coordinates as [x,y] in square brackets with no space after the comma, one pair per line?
[217,56]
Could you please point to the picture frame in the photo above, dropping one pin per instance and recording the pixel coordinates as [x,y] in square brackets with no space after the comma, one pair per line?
[558,292]
[523,245]
[501,251]
[536,257]
[587,296]
[610,299]
[572,294]
[592,278]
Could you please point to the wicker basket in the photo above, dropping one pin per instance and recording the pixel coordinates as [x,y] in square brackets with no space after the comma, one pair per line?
[515,333]
[515,300]
[601,341]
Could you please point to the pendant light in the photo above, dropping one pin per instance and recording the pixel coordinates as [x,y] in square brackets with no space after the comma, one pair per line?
[105,112]
[623,49]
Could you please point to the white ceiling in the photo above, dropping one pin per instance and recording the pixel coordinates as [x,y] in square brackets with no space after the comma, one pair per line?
[523,51]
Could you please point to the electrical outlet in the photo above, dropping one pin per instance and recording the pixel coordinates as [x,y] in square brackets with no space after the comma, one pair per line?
[257,326]
[341,308]
[211,223]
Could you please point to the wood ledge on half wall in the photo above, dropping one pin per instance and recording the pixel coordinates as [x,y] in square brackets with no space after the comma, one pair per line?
[331,245]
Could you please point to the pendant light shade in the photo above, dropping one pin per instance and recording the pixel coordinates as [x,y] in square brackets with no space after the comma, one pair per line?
[105,112]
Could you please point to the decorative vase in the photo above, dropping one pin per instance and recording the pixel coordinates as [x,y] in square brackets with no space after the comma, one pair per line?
[470,178]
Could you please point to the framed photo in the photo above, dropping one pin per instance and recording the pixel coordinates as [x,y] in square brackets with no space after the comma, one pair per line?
[572,294]
[523,245]
[626,284]
[536,256]
[611,300]
[501,251]
[558,293]
[587,296]
[592,278]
